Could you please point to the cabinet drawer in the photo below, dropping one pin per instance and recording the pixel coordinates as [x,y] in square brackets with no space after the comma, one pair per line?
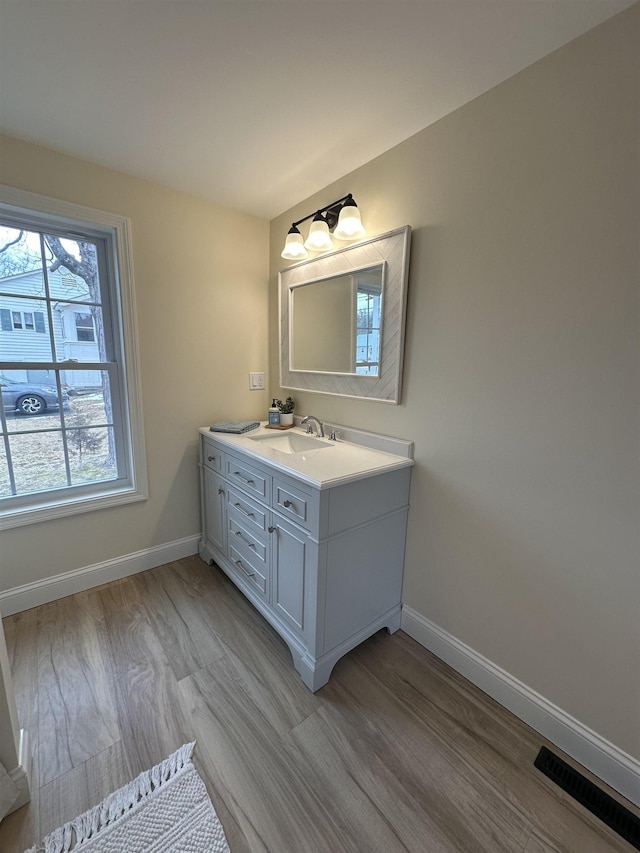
[252,513]
[249,569]
[247,477]
[245,541]
[292,503]
[212,457]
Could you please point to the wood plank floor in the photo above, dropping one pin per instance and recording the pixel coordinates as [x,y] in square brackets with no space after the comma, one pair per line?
[397,753]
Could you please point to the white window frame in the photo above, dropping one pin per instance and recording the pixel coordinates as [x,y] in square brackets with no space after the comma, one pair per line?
[44,506]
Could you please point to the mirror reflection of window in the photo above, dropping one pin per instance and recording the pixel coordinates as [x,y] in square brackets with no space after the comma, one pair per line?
[368,324]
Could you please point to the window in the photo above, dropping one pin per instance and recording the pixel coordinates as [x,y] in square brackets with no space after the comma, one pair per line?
[10,321]
[71,436]
[84,327]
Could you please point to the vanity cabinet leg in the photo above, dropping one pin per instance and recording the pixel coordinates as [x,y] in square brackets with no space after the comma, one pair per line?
[313,677]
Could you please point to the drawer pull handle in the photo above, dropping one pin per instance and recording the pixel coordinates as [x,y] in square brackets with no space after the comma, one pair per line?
[287,504]
[211,458]
[244,480]
[243,511]
[247,573]
[250,544]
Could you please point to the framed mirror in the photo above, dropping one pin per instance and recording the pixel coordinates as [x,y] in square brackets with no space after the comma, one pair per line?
[342,320]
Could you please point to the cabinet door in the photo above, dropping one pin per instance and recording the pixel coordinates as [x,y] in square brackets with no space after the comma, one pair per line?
[292,553]
[214,507]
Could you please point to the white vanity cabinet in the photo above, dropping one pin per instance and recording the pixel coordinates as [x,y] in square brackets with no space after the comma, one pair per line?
[323,564]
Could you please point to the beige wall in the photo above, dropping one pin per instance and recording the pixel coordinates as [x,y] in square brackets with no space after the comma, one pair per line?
[521,378]
[202,310]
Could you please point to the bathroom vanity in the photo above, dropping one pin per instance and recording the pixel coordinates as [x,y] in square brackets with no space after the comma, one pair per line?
[312,531]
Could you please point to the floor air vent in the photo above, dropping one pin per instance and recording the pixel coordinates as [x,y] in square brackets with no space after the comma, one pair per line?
[604,807]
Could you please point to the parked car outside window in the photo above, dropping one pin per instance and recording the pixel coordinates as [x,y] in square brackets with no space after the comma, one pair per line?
[28,398]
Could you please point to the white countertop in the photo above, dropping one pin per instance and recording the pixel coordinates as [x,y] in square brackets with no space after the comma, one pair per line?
[333,464]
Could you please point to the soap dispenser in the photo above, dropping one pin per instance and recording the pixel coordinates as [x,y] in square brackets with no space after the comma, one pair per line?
[274,413]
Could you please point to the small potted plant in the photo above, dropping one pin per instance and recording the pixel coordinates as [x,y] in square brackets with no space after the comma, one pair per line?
[286,411]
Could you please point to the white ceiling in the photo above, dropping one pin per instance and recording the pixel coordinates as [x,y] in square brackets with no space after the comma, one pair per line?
[257,105]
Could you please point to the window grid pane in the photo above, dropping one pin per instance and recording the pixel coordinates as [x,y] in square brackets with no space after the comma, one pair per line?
[39,462]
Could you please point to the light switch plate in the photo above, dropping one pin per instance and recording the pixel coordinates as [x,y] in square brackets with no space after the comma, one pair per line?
[256,381]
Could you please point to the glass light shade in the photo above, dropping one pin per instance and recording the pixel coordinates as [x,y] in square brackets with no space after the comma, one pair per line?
[349,225]
[294,247]
[319,239]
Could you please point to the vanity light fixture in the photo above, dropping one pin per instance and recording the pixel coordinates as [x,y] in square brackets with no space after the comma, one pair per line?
[342,215]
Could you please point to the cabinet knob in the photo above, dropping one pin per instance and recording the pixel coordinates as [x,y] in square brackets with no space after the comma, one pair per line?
[287,504]
[221,491]
[271,529]
[211,458]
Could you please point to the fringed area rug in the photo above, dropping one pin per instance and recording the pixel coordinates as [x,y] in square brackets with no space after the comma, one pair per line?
[165,810]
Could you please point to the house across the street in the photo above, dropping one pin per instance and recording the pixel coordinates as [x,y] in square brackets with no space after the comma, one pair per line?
[24,327]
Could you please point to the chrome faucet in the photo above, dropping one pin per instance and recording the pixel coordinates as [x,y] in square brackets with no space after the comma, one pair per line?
[310,420]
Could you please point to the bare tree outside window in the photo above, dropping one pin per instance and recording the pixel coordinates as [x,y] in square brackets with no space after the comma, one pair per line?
[85,266]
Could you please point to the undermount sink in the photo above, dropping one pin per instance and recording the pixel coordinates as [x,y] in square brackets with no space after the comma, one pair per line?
[291,442]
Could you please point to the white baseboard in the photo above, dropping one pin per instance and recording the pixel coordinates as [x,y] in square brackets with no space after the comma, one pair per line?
[615,767]
[49,589]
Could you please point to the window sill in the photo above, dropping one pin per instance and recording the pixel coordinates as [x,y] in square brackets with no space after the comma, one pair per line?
[50,510]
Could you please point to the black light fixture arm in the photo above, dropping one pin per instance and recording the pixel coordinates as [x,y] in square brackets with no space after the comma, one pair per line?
[331,212]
